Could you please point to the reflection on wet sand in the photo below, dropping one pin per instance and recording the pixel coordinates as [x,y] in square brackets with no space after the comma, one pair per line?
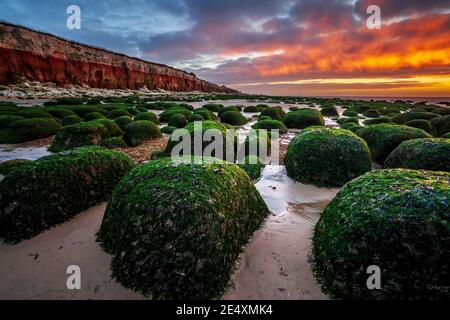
[275,263]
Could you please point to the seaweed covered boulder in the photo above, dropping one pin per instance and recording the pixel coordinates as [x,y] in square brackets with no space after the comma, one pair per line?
[177,121]
[113,142]
[175,229]
[395,219]
[168,129]
[213,107]
[78,135]
[67,121]
[113,129]
[441,125]
[205,114]
[123,122]
[424,154]
[53,189]
[408,116]
[425,125]
[167,114]
[271,125]
[149,116]
[303,118]
[327,157]
[197,131]
[7,166]
[139,131]
[384,138]
[276,113]
[28,130]
[233,118]
[329,111]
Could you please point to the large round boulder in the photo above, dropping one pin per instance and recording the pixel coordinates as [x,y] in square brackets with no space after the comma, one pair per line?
[233,118]
[78,135]
[51,190]
[195,131]
[388,224]
[175,229]
[327,157]
[425,154]
[137,132]
[303,118]
[22,130]
[384,138]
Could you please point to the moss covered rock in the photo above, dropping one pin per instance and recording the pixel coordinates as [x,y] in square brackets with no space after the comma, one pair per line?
[408,116]
[329,111]
[52,189]
[252,109]
[176,229]
[113,142]
[139,131]
[149,116]
[229,108]
[271,125]
[60,113]
[395,219]
[205,114]
[6,120]
[371,113]
[379,120]
[350,113]
[7,166]
[78,135]
[347,120]
[123,122]
[28,130]
[223,130]
[166,115]
[195,117]
[93,116]
[384,138]
[111,126]
[168,129]
[178,121]
[441,125]
[303,118]
[327,157]
[213,107]
[276,113]
[425,154]
[67,121]
[233,118]
[425,125]
[119,112]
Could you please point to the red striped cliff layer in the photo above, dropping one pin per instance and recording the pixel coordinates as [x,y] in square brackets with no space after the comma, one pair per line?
[29,55]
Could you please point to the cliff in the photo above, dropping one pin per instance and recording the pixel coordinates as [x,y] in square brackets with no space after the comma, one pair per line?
[29,55]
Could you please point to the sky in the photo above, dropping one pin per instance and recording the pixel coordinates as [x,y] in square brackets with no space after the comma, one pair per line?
[276,47]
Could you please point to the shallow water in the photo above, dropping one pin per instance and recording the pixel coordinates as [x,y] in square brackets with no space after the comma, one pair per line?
[11,152]
[275,263]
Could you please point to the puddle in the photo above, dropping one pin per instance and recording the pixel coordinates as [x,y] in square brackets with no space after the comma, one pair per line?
[10,152]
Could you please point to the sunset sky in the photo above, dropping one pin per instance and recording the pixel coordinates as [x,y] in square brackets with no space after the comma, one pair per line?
[304,47]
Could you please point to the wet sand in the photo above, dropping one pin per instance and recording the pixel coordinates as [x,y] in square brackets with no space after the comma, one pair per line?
[36,268]
[275,263]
